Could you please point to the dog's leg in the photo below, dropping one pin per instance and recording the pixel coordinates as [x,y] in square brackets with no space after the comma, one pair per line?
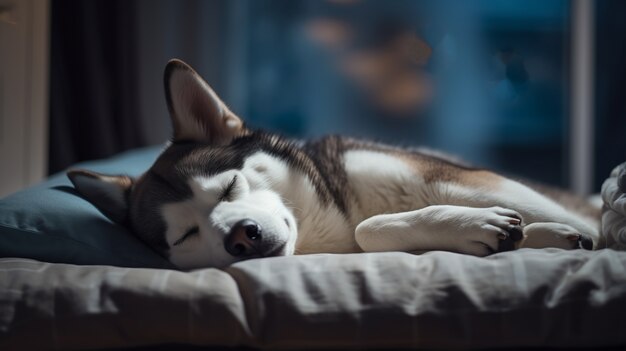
[534,208]
[458,224]
[474,231]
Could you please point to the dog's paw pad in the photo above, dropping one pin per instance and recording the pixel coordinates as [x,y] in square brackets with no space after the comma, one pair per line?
[516,233]
[508,242]
[580,241]
[584,242]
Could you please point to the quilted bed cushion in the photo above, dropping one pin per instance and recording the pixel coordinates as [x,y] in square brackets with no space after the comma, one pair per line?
[381,300]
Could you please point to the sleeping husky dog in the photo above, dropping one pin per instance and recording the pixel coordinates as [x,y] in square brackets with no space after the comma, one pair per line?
[221,193]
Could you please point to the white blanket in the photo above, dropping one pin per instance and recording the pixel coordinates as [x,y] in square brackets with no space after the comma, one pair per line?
[614,209]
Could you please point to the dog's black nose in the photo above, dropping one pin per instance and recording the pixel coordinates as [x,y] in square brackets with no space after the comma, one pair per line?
[244,238]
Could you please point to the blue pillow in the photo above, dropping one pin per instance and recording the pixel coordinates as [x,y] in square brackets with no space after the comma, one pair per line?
[51,222]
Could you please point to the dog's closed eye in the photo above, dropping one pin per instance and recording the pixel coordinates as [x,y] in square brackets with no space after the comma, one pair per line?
[228,190]
[191,231]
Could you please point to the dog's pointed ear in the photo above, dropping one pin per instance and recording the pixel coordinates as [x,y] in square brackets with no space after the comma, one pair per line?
[197,113]
[108,193]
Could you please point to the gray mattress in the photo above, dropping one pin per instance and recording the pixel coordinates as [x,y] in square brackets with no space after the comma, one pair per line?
[437,300]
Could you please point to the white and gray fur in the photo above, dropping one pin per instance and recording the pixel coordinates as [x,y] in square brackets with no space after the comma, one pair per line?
[333,195]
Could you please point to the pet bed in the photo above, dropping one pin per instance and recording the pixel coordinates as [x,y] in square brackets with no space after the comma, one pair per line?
[70,279]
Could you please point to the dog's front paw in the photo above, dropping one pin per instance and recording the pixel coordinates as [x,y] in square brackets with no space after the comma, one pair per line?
[549,234]
[492,230]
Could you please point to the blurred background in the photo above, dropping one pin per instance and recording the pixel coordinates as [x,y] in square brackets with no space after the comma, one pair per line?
[530,88]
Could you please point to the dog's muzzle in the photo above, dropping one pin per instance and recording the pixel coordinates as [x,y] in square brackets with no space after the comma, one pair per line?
[246,240]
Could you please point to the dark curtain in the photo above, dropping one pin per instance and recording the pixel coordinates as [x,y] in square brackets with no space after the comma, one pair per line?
[262,57]
[94,106]
[610,133]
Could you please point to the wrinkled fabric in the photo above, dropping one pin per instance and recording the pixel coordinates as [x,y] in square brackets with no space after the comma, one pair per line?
[614,209]
[524,298]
